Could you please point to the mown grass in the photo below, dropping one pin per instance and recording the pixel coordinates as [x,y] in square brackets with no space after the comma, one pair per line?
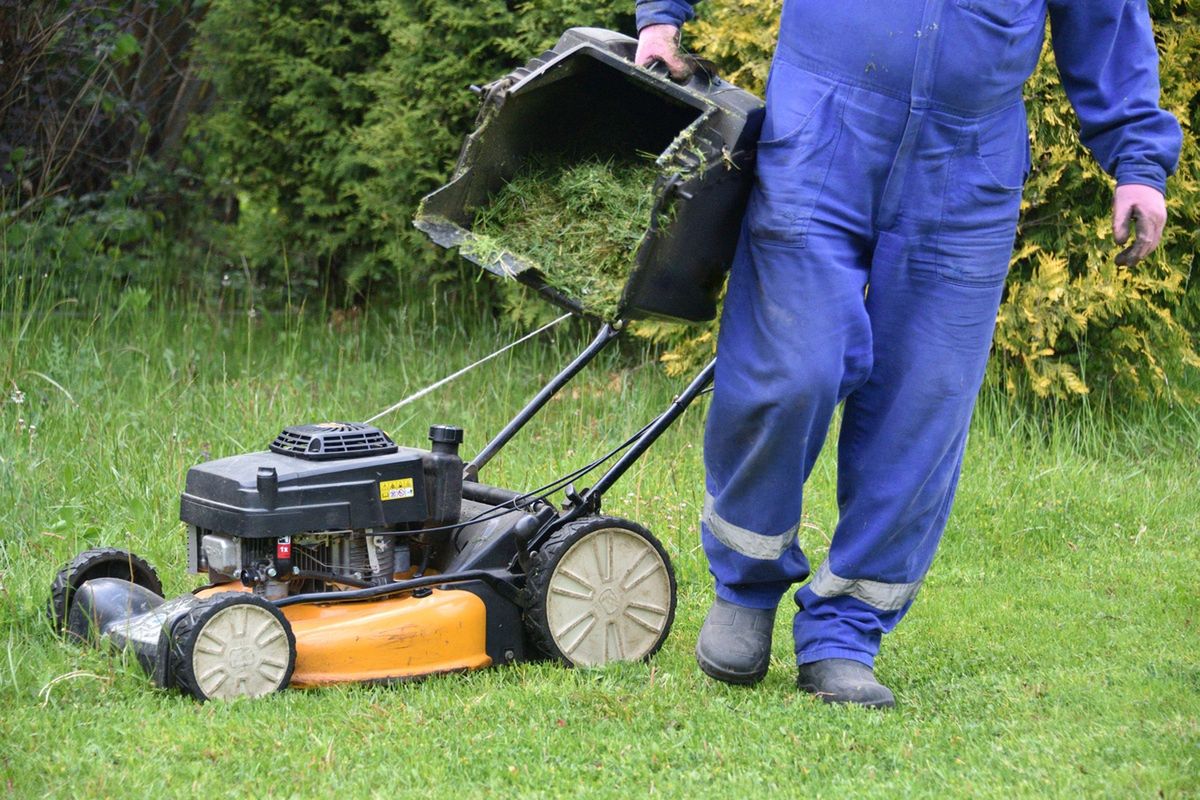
[579,224]
[1054,650]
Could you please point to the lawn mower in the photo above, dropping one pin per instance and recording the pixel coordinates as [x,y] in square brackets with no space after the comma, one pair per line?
[336,555]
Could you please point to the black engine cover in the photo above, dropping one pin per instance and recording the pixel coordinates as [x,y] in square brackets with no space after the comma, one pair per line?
[266,494]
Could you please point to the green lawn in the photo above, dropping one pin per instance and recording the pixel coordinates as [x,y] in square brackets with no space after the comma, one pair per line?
[1054,651]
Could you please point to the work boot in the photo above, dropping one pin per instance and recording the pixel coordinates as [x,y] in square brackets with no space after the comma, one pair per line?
[842,680]
[735,642]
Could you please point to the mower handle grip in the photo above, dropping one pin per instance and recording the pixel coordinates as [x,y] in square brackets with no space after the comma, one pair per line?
[700,76]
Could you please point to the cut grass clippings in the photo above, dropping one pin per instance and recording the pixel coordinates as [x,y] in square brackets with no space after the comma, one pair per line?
[580,223]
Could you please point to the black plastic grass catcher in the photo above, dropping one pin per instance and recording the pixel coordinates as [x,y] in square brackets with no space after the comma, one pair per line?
[585,99]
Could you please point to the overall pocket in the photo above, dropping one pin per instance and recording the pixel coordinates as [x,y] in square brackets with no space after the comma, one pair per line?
[799,136]
[1005,12]
[989,47]
[982,202]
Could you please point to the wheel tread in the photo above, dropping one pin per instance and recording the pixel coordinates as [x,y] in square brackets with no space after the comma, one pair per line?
[68,579]
[188,630]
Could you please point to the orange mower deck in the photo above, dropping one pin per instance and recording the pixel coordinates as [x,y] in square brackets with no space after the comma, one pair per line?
[392,638]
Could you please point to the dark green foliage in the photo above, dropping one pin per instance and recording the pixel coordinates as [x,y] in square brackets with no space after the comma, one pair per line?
[339,116]
[99,186]
[147,230]
[88,90]
[293,78]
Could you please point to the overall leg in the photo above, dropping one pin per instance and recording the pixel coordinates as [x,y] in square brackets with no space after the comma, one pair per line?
[899,453]
[794,335]
[794,339]
[936,283]
[784,362]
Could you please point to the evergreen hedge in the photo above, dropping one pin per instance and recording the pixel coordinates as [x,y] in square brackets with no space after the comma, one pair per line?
[337,117]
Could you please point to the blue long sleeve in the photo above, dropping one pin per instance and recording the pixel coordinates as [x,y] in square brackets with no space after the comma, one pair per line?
[657,12]
[1108,64]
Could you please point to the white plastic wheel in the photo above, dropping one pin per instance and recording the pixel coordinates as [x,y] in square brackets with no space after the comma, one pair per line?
[241,651]
[609,598]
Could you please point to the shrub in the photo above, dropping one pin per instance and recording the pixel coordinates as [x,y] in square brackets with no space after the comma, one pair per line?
[97,245]
[292,78]
[90,89]
[97,186]
[338,117]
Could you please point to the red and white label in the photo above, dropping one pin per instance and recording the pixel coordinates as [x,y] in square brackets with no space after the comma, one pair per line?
[283,548]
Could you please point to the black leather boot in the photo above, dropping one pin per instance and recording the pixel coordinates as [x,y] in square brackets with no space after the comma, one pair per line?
[842,680]
[735,642]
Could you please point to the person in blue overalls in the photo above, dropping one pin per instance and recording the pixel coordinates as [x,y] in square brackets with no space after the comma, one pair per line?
[869,272]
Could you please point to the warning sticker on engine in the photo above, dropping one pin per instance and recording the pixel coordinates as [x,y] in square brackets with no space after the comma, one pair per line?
[396,490]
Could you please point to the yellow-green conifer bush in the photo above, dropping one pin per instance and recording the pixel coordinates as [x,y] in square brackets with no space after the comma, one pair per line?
[1072,320]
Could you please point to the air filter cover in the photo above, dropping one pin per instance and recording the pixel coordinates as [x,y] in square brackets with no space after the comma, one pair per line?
[324,441]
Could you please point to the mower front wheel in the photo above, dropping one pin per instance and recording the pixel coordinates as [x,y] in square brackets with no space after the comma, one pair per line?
[232,645]
[98,562]
[601,589]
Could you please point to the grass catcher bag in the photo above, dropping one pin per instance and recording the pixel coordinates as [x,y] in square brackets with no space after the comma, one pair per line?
[610,189]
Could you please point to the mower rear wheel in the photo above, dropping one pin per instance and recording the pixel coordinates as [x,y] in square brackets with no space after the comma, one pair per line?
[232,645]
[98,562]
[601,589]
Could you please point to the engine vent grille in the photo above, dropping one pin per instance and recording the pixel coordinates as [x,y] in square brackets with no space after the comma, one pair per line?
[329,440]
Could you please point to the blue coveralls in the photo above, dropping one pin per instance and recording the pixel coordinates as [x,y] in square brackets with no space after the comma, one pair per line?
[870,269]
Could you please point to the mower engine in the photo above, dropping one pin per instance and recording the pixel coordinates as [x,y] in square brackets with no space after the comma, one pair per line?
[329,506]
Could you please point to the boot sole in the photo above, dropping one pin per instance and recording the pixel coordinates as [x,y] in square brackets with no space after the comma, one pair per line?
[736,678]
[831,699]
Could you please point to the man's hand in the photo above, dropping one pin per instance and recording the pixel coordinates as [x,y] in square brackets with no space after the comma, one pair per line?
[1142,208]
[661,43]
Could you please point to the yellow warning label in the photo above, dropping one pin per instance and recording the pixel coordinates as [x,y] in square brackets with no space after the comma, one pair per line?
[396,490]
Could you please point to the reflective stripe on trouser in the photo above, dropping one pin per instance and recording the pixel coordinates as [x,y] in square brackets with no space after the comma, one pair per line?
[855,189]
